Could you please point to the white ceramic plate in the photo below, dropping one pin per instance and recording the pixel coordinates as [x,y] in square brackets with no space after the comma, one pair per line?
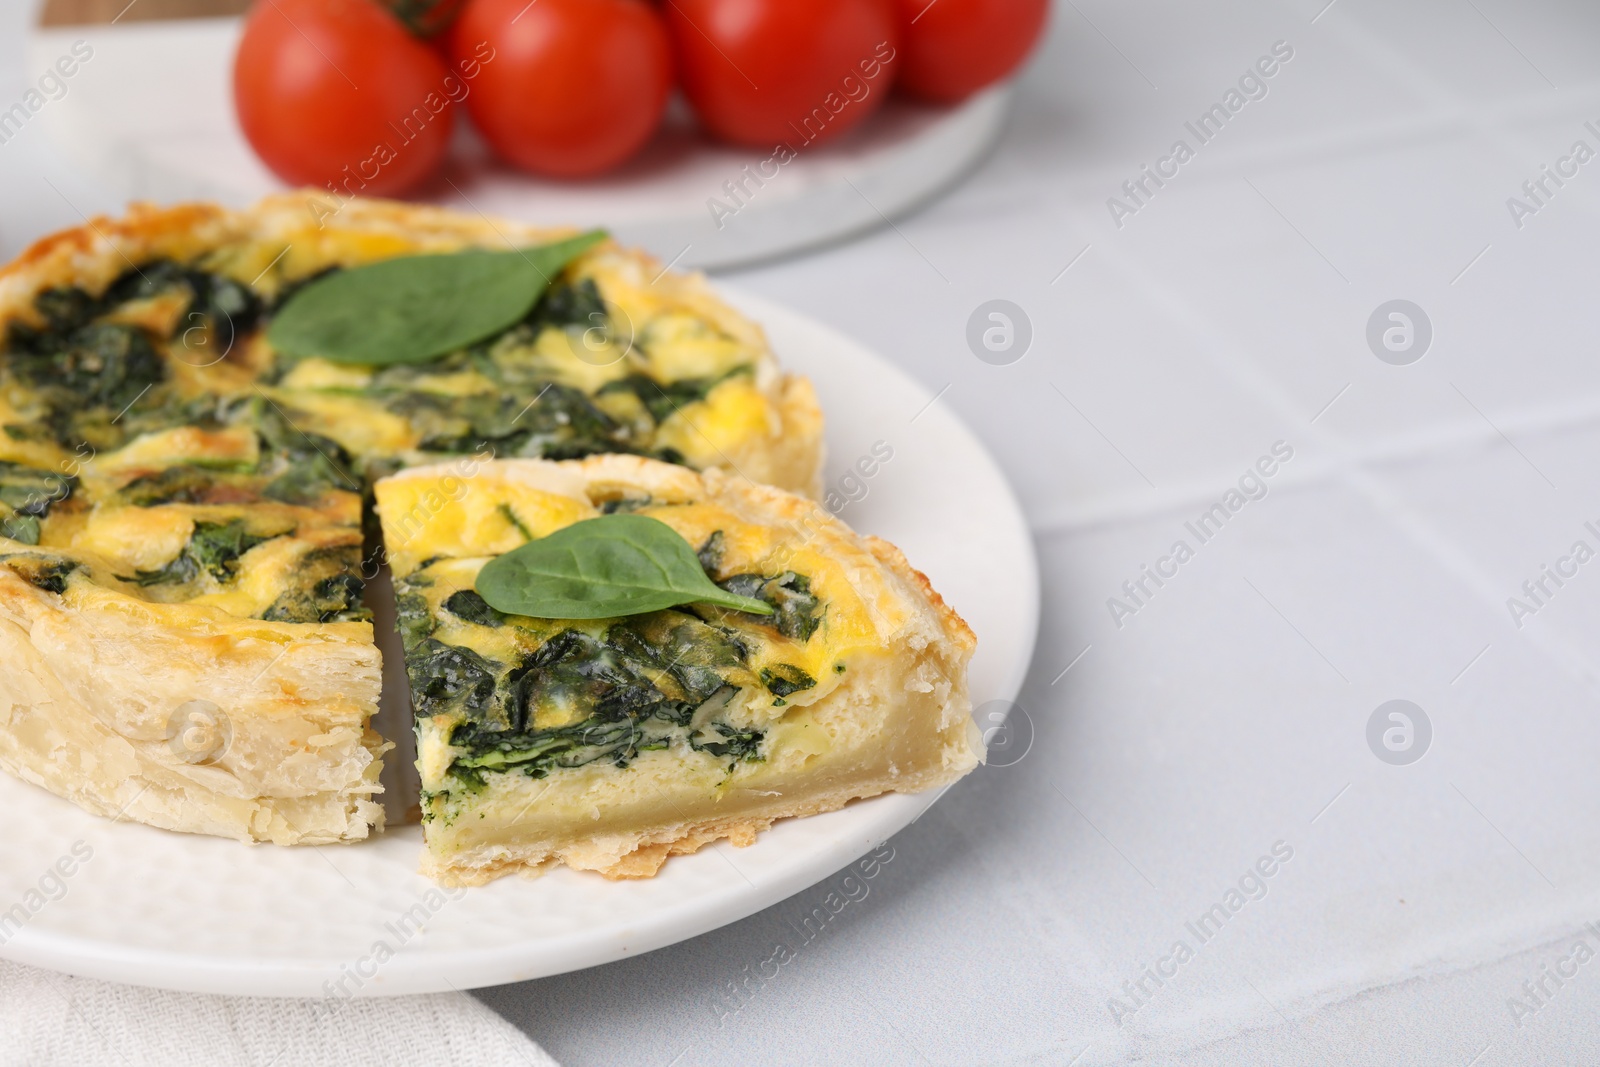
[207,915]
[150,114]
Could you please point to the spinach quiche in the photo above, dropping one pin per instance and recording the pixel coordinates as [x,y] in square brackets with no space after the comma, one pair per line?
[610,743]
[184,503]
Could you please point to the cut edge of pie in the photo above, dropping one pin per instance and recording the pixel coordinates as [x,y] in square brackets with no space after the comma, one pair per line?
[119,704]
[889,710]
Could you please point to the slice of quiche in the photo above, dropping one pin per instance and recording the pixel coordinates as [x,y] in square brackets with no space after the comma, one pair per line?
[182,640]
[610,744]
[182,636]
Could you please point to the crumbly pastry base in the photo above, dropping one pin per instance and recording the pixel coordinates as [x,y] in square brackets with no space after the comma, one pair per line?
[641,855]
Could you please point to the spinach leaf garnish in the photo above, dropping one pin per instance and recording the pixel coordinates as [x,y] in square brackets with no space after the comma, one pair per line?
[604,567]
[415,308]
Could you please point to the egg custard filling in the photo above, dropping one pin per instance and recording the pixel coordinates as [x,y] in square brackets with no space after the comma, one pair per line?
[609,744]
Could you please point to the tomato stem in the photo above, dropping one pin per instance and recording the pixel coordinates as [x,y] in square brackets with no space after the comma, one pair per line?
[425,18]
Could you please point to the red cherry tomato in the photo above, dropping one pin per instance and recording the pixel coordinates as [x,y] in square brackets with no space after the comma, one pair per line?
[337,92]
[566,88]
[761,72]
[953,48]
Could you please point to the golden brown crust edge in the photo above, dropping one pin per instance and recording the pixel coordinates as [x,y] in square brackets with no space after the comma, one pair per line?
[102,248]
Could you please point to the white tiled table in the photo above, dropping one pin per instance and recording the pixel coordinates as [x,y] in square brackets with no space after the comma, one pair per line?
[1230,711]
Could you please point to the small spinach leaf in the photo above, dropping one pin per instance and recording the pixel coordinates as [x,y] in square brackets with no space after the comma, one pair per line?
[579,304]
[782,679]
[468,606]
[415,308]
[23,528]
[41,572]
[214,548]
[447,678]
[601,568]
[327,588]
[797,612]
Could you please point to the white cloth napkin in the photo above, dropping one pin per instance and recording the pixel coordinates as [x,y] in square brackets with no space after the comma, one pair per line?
[49,1019]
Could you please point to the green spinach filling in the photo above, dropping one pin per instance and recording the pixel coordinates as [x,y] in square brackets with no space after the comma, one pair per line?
[528,413]
[91,384]
[294,467]
[94,385]
[214,548]
[581,697]
[85,374]
[101,383]
[634,688]
[42,572]
[327,585]
[539,419]
[796,611]
[225,308]
[328,589]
